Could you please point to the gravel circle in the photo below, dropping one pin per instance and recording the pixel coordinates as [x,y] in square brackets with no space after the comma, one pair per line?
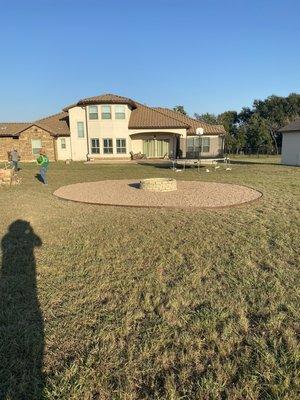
[189,194]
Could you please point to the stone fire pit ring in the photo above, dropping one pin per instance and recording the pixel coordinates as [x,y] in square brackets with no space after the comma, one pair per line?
[158,184]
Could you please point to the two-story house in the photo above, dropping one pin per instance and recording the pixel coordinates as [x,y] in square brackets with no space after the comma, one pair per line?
[111,127]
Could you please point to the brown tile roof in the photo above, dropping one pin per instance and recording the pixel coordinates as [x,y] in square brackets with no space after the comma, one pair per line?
[56,125]
[292,127]
[193,124]
[12,128]
[103,99]
[144,117]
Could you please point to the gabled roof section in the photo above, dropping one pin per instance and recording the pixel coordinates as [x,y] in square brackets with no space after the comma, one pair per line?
[12,128]
[103,99]
[193,124]
[292,127]
[144,117]
[56,125]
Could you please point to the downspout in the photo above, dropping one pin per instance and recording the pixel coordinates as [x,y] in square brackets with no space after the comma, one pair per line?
[87,135]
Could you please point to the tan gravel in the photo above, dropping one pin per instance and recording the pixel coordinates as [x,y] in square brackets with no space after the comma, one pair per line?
[189,194]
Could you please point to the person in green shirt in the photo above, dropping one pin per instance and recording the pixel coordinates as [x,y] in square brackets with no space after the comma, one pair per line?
[43,162]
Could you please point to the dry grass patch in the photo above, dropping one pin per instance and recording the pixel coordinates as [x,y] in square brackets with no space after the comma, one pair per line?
[155,304]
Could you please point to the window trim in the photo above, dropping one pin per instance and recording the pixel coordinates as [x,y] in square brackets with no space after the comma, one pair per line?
[121,147]
[106,113]
[108,147]
[95,147]
[83,129]
[93,115]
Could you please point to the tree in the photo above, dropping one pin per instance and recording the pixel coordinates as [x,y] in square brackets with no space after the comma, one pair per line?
[229,120]
[207,117]
[180,109]
[257,134]
[277,111]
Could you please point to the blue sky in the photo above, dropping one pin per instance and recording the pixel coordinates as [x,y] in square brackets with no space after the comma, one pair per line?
[210,56]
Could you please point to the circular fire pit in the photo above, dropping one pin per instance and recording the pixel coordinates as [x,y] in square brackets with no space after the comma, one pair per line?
[159,184]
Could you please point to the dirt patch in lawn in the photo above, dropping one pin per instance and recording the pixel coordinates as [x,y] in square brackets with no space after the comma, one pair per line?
[189,194]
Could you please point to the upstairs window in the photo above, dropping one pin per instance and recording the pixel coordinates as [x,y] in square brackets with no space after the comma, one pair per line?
[95,146]
[120,112]
[107,146]
[93,112]
[63,144]
[106,112]
[80,129]
[121,146]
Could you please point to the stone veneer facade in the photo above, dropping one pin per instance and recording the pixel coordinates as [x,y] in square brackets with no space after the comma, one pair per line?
[23,144]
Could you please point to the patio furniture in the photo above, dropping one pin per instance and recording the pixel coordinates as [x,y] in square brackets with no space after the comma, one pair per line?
[137,156]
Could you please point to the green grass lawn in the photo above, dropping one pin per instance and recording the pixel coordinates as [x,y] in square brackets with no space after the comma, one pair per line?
[110,303]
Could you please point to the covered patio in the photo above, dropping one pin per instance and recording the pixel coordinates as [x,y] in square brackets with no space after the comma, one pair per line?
[156,144]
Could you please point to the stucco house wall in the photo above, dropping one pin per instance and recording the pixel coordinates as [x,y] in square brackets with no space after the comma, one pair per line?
[290,153]
[98,129]
[63,153]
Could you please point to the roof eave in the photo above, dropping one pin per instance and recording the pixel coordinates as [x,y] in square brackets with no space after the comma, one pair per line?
[157,127]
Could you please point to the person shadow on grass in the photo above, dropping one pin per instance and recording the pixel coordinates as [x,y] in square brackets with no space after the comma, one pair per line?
[21,320]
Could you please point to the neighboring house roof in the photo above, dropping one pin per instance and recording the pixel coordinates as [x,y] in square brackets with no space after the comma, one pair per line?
[56,125]
[103,99]
[192,123]
[292,127]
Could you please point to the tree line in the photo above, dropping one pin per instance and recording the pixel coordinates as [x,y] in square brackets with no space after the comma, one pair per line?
[255,129]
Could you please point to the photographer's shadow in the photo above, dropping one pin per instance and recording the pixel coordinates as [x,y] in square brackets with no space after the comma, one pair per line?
[21,321]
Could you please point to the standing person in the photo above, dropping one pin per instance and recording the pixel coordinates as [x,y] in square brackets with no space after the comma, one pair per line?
[15,158]
[43,162]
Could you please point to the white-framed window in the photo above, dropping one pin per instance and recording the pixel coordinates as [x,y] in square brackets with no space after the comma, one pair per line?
[80,129]
[106,112]
[119,112]
[121,146]
[95,146]
[36,145]
[63,143]
[107,146]
[93,112]
[195,145]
